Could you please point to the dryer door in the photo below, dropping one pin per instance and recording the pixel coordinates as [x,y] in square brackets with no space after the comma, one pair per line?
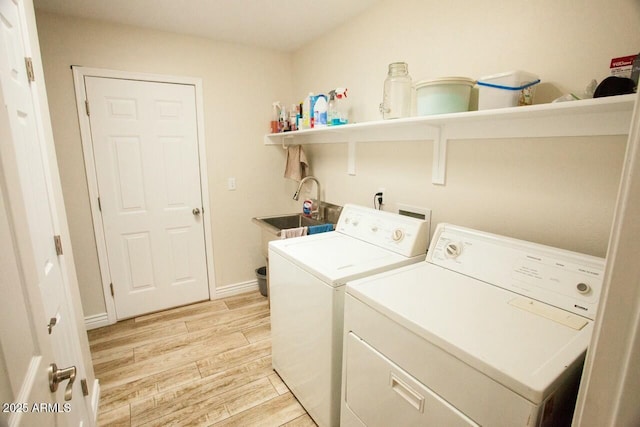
[380,393]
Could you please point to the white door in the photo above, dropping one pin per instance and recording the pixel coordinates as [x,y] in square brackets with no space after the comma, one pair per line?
[24,354]
[145,145]
[40,294]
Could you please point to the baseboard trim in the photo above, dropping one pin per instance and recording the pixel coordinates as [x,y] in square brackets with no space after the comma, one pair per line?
[96,321]
[99,320]
[236,288]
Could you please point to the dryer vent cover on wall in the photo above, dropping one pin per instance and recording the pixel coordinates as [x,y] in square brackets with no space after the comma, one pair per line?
[416,212]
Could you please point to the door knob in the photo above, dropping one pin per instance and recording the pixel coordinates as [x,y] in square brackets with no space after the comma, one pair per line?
[196,211]
[56,376]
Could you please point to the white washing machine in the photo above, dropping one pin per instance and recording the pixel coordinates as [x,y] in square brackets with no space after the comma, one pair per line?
[488,331]
[307,279]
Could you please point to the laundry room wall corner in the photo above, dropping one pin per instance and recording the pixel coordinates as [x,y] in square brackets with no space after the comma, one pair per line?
[234,133]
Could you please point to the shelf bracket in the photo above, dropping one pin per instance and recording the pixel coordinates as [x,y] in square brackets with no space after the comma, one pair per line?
[351,156]
[439,167]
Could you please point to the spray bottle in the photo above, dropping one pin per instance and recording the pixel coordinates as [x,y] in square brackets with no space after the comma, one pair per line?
[337,107]
[332,112]
[284,120]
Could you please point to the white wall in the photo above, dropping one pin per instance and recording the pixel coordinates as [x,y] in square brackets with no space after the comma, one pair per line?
[554,191]
[559,192]
[567,43]
[239,85]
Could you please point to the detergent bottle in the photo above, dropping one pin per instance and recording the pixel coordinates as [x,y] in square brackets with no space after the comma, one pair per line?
[320,111]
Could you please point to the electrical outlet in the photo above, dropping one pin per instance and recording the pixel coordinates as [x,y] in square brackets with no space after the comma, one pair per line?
[378,198]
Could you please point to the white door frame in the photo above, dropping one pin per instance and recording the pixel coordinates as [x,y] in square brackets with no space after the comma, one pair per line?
[79,73]
[611,379]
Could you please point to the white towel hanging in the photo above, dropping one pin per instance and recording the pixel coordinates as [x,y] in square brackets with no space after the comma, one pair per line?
[297,166]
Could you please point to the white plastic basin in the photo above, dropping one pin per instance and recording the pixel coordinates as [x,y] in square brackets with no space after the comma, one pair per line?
[443,95]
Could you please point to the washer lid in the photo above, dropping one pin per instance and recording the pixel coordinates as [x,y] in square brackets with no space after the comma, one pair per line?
[336,258]
[480,324]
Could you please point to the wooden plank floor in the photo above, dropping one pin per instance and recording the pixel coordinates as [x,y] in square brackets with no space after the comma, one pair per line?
[206,364]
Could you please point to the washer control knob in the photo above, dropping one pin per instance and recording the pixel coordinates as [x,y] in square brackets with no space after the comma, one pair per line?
[453,250]
[583,288]
[397,235]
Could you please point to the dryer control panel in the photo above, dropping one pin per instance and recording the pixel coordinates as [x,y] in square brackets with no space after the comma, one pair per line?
[565,279]
[401,234]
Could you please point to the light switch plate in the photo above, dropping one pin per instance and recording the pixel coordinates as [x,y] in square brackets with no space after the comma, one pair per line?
[231,183]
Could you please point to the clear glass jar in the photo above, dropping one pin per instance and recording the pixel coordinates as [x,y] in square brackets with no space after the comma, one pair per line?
[396,98]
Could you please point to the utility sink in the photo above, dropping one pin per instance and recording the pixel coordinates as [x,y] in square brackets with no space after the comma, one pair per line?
[272,226]
[283,222]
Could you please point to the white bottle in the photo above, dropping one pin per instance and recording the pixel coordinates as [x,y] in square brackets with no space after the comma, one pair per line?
[320,112]
[284,120]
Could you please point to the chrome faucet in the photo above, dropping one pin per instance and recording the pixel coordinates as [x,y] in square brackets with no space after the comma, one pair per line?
[296,196]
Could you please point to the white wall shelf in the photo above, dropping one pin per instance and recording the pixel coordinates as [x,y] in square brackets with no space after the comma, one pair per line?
[589,117]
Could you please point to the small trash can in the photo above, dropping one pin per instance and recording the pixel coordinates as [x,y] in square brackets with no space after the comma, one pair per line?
[261,275]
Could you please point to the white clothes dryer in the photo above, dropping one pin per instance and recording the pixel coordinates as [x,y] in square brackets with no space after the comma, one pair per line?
[487,331]
[307,279]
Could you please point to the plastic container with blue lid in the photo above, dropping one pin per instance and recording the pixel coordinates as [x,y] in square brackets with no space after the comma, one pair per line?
[509,89]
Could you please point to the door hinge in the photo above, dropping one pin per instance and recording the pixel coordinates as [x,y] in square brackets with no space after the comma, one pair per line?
[58,242]
[28,62]
[111,287]
[99,205]
[86,107]
[84,386]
